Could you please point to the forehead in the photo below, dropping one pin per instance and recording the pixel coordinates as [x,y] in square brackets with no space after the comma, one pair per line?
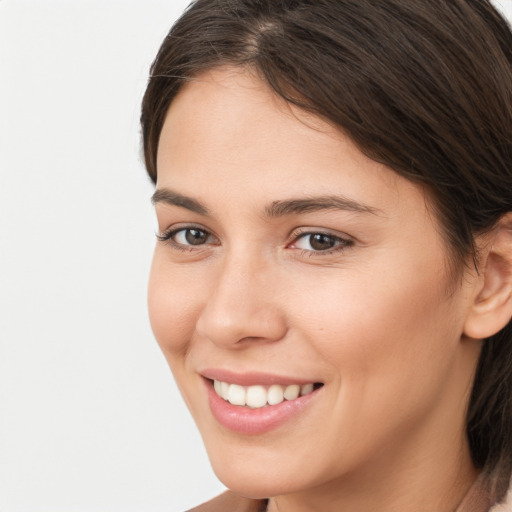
[227,124]
[232,105]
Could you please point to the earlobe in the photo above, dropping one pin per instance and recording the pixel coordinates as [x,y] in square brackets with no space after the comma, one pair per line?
[491,307]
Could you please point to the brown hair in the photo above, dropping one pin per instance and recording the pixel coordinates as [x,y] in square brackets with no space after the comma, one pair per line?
[424,87]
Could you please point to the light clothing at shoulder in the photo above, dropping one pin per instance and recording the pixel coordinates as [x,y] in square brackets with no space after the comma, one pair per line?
[506,505]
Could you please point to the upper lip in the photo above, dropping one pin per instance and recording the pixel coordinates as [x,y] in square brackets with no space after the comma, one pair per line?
[253,378]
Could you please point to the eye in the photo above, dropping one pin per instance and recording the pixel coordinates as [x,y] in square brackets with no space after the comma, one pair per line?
[188,237]
[320,242]
[191,236]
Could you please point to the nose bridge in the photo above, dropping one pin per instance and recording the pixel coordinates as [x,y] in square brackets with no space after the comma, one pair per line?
[241,304]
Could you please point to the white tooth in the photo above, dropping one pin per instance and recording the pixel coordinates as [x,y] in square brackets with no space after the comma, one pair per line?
[224,390]
[217,385]
[275,394]
[292,392]
[256,396]
[306,389]
[236,394]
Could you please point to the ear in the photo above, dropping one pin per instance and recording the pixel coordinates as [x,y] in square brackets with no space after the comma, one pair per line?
[491,306]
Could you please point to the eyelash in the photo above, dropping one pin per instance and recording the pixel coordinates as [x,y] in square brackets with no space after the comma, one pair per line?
[341,243]
[168,237]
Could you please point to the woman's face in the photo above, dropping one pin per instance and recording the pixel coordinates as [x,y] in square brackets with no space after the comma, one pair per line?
[291,263]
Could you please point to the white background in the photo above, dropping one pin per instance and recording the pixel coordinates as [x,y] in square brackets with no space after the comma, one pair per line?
[90,419]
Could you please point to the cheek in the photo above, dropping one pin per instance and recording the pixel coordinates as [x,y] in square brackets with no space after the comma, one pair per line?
[389,351]
[174,299]
[378,329]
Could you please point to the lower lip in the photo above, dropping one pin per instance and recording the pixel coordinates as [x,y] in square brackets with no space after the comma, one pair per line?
[245,420]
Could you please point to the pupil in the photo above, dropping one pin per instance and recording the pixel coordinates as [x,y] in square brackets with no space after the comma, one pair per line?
[321,242]
[195,236]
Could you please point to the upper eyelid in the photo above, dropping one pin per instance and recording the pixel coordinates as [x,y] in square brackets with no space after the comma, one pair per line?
[342,241]
[303,231]
[174,228]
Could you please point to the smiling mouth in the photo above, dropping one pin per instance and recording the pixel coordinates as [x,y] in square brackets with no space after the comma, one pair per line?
[256,397]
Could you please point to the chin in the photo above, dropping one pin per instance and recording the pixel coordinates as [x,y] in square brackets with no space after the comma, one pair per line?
[254,483]
[260,473]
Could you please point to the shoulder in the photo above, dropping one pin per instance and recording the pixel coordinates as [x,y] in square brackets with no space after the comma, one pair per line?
[230,502]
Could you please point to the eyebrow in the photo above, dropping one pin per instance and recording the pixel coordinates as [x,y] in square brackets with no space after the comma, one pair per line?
[276,208]
[315,204]
[167,196]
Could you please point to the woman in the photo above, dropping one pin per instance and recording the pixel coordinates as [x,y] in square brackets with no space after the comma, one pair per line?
[332,281]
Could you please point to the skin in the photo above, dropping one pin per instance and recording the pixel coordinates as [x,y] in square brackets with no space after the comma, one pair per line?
[377,319]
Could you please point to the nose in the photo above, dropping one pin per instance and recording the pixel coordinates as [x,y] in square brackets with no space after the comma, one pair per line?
[242,306]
